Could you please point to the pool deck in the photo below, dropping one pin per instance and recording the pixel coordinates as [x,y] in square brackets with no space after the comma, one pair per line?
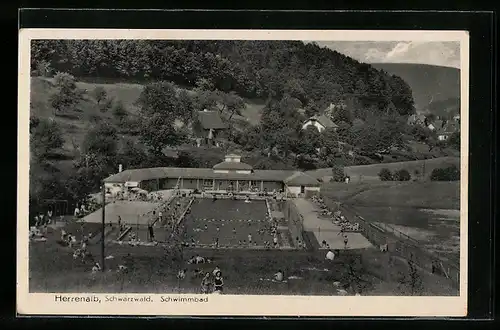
[325,229]
[131,212]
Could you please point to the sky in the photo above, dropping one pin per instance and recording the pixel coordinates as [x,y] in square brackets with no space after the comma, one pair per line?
[442,53]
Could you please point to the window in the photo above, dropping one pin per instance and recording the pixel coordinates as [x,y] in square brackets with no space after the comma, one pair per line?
[208,183]
[255,184]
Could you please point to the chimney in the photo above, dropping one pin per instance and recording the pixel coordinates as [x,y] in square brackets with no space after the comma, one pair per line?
[120,168]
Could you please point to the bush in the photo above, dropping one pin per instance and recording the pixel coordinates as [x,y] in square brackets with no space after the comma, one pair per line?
[450,173]
[402,175]
[338,173]
[385,175]
[99,94]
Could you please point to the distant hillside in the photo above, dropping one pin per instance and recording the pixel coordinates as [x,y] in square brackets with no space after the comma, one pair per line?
[429,83]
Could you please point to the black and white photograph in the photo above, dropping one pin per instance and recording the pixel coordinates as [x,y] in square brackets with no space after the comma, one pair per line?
[234,172]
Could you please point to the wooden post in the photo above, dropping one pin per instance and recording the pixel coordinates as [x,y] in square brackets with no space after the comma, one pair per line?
[198,184]
[237,185]
[103,224]
[262,185]
[213,184]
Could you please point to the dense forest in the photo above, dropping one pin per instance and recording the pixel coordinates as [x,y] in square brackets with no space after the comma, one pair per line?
[263,69]
[179,78]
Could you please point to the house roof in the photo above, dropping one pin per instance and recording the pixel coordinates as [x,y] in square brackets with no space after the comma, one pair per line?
[232,166]
[438,124]
[324,120]
[144,174]
[301,179]
[210,120]
[449,129]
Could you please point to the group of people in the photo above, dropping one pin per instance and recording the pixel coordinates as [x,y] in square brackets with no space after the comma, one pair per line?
[337,217]
[212,282]
[85,207]
[250,240]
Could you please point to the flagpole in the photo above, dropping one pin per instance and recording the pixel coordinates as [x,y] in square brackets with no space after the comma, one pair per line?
[103,225]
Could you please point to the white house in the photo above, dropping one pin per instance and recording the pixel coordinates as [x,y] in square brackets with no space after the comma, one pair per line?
[321,123]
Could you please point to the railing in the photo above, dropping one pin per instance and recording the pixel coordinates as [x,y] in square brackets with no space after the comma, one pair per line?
[403,246]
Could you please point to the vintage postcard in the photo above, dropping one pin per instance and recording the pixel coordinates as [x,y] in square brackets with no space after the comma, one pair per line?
[233,172]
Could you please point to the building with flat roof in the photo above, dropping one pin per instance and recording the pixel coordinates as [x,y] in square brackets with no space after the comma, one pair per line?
[231,175]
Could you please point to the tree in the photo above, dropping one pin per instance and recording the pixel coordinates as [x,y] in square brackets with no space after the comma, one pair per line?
[43,68]
[410,282]
[338,173]
[454,140]
[159,109]
[45,137]
[402,175]
[100,94]
[355,276]
[67,94]
[119,111]
[205,84]
[385,174]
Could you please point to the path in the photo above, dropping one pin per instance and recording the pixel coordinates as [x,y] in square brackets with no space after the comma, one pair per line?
[324,229]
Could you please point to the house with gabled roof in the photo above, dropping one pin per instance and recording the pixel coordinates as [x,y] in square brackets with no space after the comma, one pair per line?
[447,130]
[208,126]
[320,122]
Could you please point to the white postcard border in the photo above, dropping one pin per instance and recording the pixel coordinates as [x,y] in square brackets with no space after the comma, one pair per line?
[237,305]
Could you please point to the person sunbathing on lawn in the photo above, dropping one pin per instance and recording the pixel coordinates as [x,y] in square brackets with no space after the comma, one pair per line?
[96,268]
[279,276]
[181,274]
[205,284]
[330,255]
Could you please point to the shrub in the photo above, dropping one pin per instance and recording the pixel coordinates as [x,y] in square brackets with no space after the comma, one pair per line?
[385,174]
[119,110]
[450,173]
[402,175]
[338,173]
[99,94]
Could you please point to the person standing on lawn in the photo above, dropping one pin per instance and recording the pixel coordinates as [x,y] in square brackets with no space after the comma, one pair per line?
[151,232]
[205,284]
[218,282]
[49,216]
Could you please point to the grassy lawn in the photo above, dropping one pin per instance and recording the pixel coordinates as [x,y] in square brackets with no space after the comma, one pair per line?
[369,173]
[154,269]
[427,195]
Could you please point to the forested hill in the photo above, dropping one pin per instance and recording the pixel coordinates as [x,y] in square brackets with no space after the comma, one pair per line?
[254,69]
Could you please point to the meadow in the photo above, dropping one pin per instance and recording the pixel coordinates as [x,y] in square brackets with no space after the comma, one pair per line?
[418,169]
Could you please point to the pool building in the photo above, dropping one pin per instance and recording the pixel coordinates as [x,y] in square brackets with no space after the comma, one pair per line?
[229,176]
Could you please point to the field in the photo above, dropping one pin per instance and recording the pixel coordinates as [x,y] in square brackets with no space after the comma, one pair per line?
[428,212]
[369,173]
[427,195]
[231,221]
[154,269]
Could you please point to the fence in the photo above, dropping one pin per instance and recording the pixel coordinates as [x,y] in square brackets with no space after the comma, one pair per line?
[296,223]
[402,245]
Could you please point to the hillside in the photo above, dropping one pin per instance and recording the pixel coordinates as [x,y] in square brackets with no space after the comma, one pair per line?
[75,124]
[429,83]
